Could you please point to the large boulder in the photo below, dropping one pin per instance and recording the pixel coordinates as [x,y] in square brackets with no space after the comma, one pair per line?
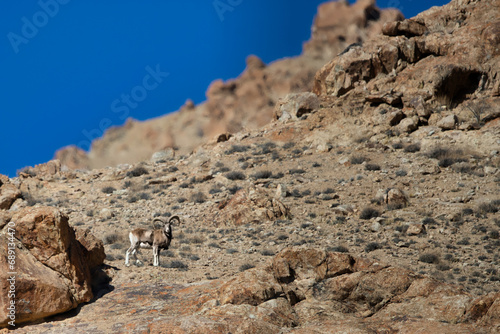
[250,205]
[8,194]
[52,268]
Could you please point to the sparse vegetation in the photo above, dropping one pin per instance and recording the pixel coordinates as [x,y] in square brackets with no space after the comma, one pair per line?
[412,148]
[447,156]
[397,146]
[401,173]
[176,264]
[372,246]
[368,213]
[246,266]
[234,189]
[357,159]
[487,207]
[110,239]
[263,174]
[237,149]
[214,190]
[108,190]
[198,197]
[235,176]
[137,171]
[267,252]
[372,167]
[144,196]
[429,258]
[340,249]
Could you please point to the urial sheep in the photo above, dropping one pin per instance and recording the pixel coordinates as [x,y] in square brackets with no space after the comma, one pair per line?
[145,238]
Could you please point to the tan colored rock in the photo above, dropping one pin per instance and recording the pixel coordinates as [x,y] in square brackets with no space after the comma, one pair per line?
[398,62]
[3,179]
[415,229]
[296,105]
[53,267]
[93,248]
[408,124]
[250,205]
[252,287]
[392,196]
[164,155]
[72,157]
[8,194]
[408,28]
[448,123]
[302,290]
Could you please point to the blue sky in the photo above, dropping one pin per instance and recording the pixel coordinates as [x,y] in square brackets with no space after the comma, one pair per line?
[71,68]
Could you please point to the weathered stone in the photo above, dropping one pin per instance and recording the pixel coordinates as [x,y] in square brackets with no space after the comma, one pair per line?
[8,194]
[384,97]
[250,205]
[408,28]
[395,117]
[392,196]
[93,248]
[53,267]
[296,105]
[409,124]
[415,229]
[164,155]
[448,123]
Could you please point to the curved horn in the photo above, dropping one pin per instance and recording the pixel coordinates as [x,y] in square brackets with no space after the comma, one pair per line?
[160,220]
[174,218]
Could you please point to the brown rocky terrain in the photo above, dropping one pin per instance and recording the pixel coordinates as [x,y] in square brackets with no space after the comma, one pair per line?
[371,206]
[246,102]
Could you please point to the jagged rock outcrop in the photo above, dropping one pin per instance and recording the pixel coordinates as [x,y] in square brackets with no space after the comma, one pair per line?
[250,205]
[245,102]
[8,193]
[42,171]
[438,68]
[300,290]
[53,268]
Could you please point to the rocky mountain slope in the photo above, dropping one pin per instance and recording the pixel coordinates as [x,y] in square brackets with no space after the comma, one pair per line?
[371,206]
[246,102]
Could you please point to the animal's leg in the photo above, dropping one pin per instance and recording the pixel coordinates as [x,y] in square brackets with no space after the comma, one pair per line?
[137,261]
[127,255]
[156,260]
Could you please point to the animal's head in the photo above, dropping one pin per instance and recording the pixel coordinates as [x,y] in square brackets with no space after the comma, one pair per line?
[168,230]
[167,226]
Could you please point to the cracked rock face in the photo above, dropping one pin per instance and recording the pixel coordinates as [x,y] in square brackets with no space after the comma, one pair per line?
[300,290]
[53,268]
[443,62]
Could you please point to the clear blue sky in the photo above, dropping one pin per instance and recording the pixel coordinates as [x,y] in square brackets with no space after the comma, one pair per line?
[67,66]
